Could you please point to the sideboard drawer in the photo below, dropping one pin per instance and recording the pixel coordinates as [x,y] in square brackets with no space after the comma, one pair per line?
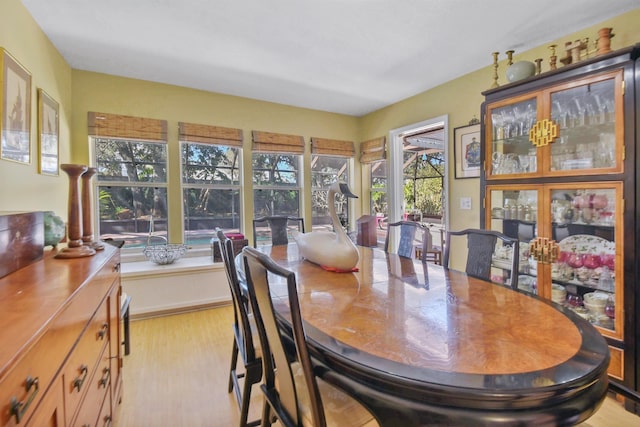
[82,363]
[98,394]
[23,387]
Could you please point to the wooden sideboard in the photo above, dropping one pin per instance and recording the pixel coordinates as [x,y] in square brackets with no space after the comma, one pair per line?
[61,358]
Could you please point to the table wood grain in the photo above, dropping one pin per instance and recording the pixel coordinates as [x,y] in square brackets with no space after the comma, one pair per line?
[409,339]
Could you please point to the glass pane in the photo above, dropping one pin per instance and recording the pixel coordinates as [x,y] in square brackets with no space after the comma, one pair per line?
[130,161]
[379,174]
[275,169]
[210,164]
[269,202]
[126,212]
[423,175]
[586,117]
[515,214]
[321,217]
[585,272]
[208,208]
[324,172]
[511,150]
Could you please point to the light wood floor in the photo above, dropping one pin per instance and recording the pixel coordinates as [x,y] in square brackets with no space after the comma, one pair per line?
[176,376]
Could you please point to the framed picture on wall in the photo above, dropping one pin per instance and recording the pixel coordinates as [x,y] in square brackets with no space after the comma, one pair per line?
[466,150]
[48,134]
[16,110]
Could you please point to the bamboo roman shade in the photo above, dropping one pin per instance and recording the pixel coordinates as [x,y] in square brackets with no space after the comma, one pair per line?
[373,150]
[332,147]
[267,142]
[206,134]
[126,127]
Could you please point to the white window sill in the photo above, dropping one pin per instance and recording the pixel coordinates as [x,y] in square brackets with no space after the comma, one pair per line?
[136,265]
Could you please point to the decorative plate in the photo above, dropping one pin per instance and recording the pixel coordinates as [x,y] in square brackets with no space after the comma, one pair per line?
[586,244]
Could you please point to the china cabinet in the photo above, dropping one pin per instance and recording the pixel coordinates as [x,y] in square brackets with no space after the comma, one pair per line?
[559,173]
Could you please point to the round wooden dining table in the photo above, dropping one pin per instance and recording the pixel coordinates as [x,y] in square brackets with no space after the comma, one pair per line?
[420,345]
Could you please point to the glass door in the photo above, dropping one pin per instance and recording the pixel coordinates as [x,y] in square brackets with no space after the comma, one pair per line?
[513,211]
[587,273]
[509,151]
[589,121]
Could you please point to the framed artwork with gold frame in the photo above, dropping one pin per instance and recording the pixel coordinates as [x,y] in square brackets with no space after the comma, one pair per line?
[48,134]
[15,123]
[466,149]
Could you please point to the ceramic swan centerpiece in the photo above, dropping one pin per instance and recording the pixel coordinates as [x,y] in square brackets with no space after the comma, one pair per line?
[332,251]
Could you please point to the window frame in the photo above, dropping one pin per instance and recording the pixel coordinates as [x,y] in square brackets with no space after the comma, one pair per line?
[120,183]
[211,186]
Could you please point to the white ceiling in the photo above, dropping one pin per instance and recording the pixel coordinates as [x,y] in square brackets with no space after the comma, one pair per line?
[343,56]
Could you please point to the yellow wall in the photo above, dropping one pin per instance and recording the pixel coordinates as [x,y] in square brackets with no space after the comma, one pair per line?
[461,98]
[79,92]
[21,187]
[109,94]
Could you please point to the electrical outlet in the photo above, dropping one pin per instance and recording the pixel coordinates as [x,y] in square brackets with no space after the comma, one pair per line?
[465,203]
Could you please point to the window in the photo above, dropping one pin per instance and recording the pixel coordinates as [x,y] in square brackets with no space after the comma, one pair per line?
[329,162]
[378,188]
[276,184]
[210,159]
[210,190]
[324,172]
[131,190]
[276,173]
[373,153]
[130,155]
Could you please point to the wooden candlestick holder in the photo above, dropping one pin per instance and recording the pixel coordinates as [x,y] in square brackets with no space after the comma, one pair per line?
[87,217]
[75,247]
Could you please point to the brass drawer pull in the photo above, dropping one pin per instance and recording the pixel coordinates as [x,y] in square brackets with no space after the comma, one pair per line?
[77,383]
[107,421]
[18,409]
[103,331]
[106,374]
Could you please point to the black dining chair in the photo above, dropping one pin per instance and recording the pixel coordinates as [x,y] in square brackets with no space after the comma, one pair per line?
[409,245]
[241,382]
[293,393]
[278,226]
[481,246]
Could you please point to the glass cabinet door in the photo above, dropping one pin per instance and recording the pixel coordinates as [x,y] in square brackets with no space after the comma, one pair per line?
[587,274]
[571,245]
[514,212]
[589,121]
[509,151]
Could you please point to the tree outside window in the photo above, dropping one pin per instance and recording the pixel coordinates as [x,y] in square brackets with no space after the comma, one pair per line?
[131,189]
[276,186]
[210,189]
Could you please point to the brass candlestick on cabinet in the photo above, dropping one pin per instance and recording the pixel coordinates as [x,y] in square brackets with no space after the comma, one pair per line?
[75,247]
[87,217]
[510,57]
[553,58]
[495,69]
